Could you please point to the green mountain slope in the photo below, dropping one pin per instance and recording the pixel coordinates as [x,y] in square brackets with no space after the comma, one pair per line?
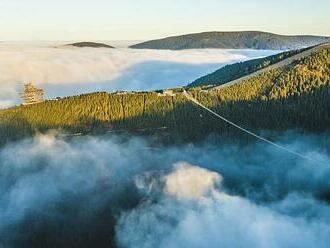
[293,96]
[235,71]
[90,44]
[234,40]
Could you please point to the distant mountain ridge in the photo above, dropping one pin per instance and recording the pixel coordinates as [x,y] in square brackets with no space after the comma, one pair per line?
[234,40]
[90,44]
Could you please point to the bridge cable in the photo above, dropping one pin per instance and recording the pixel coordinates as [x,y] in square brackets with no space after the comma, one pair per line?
[189,97]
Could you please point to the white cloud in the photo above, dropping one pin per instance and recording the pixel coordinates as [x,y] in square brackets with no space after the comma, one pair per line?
[202,215]
[190,182]
[67,71]
[86,185]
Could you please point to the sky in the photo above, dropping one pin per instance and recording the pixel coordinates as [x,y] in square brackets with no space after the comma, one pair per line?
[49,20]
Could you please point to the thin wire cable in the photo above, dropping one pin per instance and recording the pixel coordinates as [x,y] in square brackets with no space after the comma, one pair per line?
[189,97]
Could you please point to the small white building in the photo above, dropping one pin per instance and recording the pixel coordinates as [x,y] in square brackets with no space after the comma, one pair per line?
[165,93]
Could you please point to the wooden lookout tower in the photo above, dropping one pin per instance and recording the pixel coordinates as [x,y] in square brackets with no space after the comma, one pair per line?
[31,94]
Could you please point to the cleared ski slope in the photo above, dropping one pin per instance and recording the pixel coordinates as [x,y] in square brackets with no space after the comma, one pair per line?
[280,64]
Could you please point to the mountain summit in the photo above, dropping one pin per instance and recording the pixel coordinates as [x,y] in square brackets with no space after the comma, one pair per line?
[234,40]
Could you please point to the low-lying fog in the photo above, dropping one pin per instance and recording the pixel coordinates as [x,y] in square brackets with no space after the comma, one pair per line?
[63,71]
[97,192]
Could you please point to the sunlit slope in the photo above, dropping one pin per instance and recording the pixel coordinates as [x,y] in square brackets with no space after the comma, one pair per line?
[238,70]
[294,95]
[231,74]
[234,40]
[301,73]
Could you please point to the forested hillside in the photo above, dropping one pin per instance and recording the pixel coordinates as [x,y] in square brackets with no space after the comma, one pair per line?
[234,71]
[295,96]
[234,40]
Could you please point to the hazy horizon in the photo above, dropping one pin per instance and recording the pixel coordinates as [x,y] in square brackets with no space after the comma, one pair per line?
[36,20]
